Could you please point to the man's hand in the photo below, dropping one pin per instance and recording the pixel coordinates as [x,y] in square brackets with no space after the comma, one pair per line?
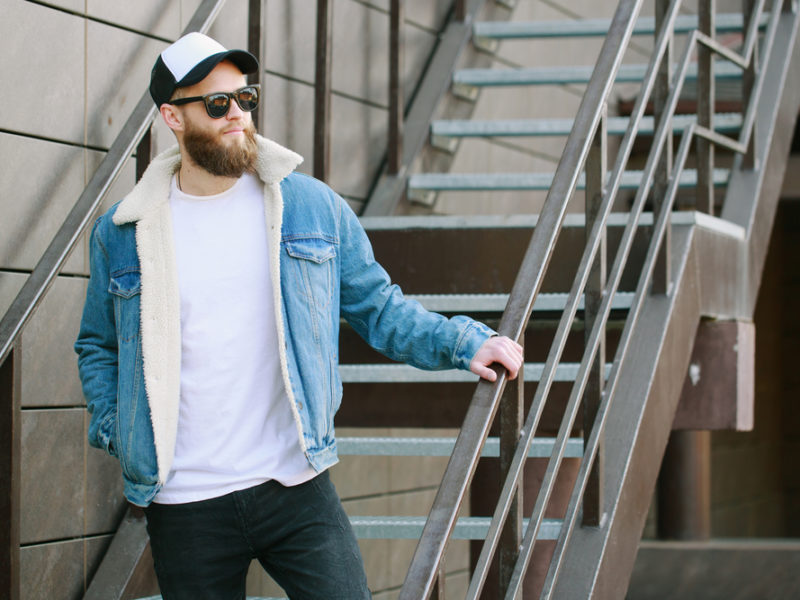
[497,349]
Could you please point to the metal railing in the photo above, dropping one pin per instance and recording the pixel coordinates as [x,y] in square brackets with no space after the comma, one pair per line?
[585,150]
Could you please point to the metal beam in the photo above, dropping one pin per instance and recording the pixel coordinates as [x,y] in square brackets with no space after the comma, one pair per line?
[10,424]
[126,570]
[322,91]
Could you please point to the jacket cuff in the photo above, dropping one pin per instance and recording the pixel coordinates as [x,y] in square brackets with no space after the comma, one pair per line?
[469,343]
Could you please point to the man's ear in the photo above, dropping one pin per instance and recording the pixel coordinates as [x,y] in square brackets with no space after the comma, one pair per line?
[172,117]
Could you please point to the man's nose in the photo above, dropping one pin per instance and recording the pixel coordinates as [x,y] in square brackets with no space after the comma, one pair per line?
[234,112]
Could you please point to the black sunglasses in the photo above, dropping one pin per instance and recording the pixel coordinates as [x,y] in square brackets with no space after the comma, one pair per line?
[218,103]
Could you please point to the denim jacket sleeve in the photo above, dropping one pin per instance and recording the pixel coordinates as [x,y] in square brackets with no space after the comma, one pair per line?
[396,326]
[97,349]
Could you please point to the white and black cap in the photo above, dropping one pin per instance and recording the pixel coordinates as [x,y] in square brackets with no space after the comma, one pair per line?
[189,60]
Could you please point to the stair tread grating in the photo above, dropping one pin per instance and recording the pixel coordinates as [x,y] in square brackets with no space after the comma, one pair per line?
[398,373]
[627,73]
[441,446]
[723,23]
[531,181]
[497,302]
[466,528]
[723,123]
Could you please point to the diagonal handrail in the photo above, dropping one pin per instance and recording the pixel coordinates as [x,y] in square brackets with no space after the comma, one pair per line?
[526,287]
[659,231]
[430,550]
[79,217]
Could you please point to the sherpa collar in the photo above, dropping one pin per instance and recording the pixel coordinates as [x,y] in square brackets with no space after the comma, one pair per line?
[274,162]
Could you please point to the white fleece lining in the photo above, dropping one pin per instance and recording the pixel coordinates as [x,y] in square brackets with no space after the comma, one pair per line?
[273,212]
[148,206]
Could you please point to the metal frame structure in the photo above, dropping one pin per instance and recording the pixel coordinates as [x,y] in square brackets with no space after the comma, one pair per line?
[577,156]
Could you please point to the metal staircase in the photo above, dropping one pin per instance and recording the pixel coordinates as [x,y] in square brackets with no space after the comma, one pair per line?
[608,302]
[693,265]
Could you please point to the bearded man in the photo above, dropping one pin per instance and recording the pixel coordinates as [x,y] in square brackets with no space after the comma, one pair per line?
[208,345]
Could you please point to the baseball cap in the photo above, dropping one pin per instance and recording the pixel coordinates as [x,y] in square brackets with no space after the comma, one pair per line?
[189,60]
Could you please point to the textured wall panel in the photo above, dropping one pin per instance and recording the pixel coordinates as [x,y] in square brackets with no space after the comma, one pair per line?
[116,80]
[357,140]
[52,475]
[158,17]
[49,369]
[360,51]
[56,571]
[34,71]
[35,206]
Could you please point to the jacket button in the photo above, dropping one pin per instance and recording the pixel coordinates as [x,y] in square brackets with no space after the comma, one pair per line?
[299,406]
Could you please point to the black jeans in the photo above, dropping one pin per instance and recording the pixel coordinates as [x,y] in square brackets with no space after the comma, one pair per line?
[300,535]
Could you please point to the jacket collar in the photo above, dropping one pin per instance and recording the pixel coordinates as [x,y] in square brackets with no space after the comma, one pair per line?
[274,162]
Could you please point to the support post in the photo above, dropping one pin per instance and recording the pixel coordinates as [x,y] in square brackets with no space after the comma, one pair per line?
[460,10]
[255,45]
[684,487]
[396,99]
[511,421]
[661,273]
[10,424]
[705,109]
[322,91]
[144,152]
[748,82]
[596,165]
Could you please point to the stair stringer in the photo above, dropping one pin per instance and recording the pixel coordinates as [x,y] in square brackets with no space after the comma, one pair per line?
[715,274]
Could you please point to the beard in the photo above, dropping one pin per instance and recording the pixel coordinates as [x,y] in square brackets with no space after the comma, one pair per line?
[209,153]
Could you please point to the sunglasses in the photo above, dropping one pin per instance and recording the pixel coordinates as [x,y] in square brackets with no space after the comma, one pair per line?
[218,103]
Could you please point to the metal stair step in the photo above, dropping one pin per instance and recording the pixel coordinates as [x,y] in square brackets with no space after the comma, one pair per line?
[471,303]
[724,23]
[410,528]
[629,73]
[527,181]
[442,446]
[723,123]
[397,373]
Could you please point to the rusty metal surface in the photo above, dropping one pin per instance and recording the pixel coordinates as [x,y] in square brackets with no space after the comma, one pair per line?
[322,90]
[684,487]
[394,151]
[10,436]
[120,570]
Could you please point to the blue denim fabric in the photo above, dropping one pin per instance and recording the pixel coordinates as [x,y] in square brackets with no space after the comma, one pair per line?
[300,535]
[327,270]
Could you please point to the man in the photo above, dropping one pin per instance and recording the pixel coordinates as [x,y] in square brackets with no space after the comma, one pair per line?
[208,345]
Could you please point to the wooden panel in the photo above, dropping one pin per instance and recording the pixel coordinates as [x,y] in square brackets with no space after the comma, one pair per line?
[719,390]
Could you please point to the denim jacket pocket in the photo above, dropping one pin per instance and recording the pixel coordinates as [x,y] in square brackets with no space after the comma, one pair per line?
[311,269]
[125,283]
[125,287]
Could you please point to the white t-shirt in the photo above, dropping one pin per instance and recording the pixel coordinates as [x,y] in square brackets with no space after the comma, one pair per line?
[235,427]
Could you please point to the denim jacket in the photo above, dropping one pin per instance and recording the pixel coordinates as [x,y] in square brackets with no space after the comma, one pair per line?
[322,267]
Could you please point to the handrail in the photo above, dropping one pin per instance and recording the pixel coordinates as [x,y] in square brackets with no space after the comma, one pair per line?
[430,550]
[659,231]
[531,273]
[78,219]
